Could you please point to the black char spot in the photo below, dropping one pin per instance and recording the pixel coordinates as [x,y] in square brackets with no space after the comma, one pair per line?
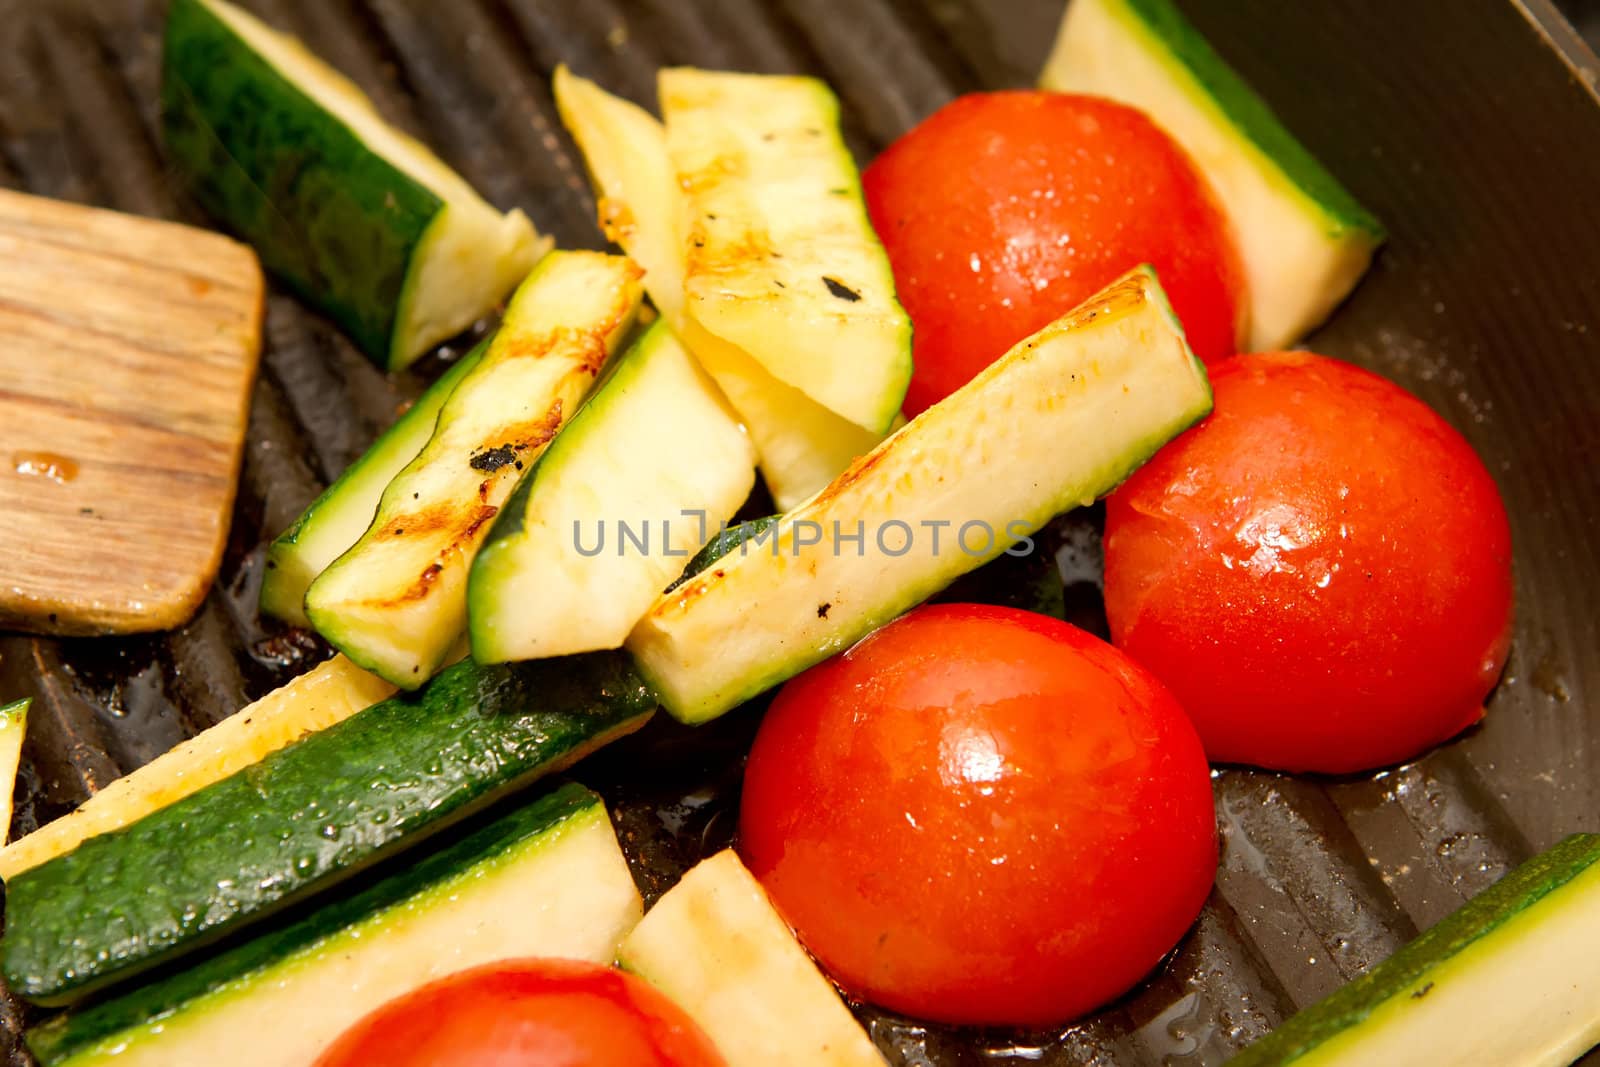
[492,459]
[840,290]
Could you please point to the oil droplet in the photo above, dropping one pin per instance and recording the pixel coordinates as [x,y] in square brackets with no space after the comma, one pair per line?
[57,468]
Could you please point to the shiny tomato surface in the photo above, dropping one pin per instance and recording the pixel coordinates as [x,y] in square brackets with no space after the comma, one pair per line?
[1320,571]
[981,815]
[527,1013]
[1004,210]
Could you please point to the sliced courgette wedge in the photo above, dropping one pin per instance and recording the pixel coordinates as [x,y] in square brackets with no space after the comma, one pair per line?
[715,945]
[337,519]
[801,444]
[782,261]
[655,452]
[361,220]
[1304,240]
[396,602]
[1512,979]
[1058,421]
[13,727]
[305,818]
[547,880]
[328,693]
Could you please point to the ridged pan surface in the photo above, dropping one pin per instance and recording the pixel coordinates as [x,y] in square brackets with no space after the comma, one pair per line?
[1470,135]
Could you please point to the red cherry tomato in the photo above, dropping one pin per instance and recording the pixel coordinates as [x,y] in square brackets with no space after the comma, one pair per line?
[1002,211]
[1321,571]
[981,815]
[527,1013]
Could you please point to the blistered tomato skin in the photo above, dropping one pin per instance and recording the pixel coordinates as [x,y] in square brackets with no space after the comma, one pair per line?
[527,1013]
[981,815]
[1002,211]
[1320,571]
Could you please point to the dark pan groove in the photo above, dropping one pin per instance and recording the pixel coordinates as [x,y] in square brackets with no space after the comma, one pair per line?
[688,35]
[596,39]
[325,381]
[872,62]
[1487,303]
[107,121]
[532,123]
[762,40]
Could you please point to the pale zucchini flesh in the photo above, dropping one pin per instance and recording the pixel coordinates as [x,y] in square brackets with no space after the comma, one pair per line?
[337,519]
[1057,422]
[471,254]
[800,444]
[330,692]
[396,602]
[1304,240]
[625,149]
[1512,979]
[782,262]
[656,448]
[13,728]
[549,880]
[717,947]
[803,446]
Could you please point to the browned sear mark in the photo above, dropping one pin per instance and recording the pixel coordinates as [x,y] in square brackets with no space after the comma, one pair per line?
[424,582]
[434,517]
[616,220]
[857,470]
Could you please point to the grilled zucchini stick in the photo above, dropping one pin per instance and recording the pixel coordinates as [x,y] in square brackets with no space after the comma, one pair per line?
[396,602]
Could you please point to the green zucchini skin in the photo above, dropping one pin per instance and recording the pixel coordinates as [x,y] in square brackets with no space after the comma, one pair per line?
[727,541]
[1254,118]
[306,817]
[1350,1005]
[65,1036]
[332,219]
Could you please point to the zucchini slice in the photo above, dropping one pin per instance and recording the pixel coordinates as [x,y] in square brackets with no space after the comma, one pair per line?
[337,519]
[656,450]
[715,944]
[305,818]
[396,602]
[1058,421]
[361,220]
[330,692]
[782,262]
[801,445]
[1512,979]
[546,880]
[13,727]
[1304,240]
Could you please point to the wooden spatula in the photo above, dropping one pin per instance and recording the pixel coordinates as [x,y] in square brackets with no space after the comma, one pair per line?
[127,351]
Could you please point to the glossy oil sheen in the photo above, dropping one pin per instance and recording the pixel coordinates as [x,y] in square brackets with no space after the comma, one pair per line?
[1471,138]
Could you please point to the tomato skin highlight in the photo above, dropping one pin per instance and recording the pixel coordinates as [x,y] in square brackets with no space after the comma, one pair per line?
[527,1013]
[1321,571]
[1004,210]
[981,815]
